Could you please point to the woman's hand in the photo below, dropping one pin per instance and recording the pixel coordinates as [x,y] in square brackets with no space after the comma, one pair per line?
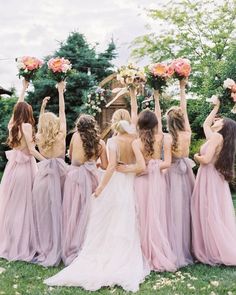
[121,168]
[196,157]
[61,86]
[25,84]
[98,191]
[45,101]
[183,82]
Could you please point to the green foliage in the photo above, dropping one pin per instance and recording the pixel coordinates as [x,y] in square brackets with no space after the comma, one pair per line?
[6,107]
[89,68]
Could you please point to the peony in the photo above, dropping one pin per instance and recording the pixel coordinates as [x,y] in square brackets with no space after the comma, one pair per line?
[229,83]
[28,66]
[181,68]
[59,67]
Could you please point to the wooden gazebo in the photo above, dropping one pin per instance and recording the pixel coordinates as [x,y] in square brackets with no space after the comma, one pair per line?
[4,91]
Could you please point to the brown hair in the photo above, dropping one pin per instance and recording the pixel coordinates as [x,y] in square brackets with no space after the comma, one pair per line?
[226,160]
[175,123]
[22,113]
[89,133]
[147,122]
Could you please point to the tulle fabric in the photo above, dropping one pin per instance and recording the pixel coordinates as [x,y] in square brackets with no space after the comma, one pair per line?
[111,253]
[16,214]
[180,182]
[47,210]
[213,218]
[81,182]
[150,192]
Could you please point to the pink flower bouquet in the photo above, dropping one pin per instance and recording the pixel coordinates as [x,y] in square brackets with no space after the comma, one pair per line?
[157,75]
[181,68]
[28,66]
[231,85]
[59,68]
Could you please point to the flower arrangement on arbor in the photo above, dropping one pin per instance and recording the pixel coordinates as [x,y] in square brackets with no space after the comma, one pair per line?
[28,66]
[59,68]
[96,99]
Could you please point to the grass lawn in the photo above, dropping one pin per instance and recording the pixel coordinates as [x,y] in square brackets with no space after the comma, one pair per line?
[22,278]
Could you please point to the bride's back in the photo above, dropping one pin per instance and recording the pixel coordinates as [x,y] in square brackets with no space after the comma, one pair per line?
[124,146]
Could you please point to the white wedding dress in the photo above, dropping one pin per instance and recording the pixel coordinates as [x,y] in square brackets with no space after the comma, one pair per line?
[111,253]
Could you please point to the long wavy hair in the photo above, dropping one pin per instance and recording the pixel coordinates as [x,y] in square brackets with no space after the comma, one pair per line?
[88,129]
[175,123]
[147,125]
[22,113]
[225,163]
[48,129]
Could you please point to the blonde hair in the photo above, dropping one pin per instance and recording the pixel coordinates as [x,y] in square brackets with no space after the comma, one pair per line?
[48,129]
[117,117]
[175,123]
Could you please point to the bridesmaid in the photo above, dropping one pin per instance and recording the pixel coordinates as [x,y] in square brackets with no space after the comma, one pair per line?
[48,184]
[213,215]
[180,181]
[150,189]
[16,215]
[86,148]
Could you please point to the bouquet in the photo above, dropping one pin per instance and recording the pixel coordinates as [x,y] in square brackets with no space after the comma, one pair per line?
[131,76]
[157,75]
[181,68]
[231,85]
[96,99]
[59,68]
[28,66]
[213,99]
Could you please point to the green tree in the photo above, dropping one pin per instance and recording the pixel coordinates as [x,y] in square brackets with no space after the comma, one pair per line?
[88,69]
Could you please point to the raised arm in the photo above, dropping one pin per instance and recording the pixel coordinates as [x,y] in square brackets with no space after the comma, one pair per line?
[109,171]
[27,131]
[183,103]
[167,152]
[209,120]
[62,116]
[158,109]
[44,104]
[21,98]
[134,105]
[140,164]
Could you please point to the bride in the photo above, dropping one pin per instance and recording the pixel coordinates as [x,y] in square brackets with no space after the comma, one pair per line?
[111,253]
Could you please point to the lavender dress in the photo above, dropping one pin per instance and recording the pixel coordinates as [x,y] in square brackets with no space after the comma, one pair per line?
[81,182]
[47,210]
[180,182]
[16,214]
[213,217]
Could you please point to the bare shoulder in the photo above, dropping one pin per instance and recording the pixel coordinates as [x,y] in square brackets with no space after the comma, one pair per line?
[137,143]
[26,126]
[216,138]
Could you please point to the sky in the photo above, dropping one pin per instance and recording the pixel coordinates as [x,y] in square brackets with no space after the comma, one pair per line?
[34,28]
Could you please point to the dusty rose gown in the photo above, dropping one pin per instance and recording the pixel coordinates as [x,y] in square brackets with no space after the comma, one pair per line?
[150,193]
[47,210]
[180,182]
[81,182]
[16,214]
[213,217]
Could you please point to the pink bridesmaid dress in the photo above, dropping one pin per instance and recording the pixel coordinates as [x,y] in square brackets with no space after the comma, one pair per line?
[150,193]
[47,210]
[180,182]
[16,214]
[80,183]
[213,217]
